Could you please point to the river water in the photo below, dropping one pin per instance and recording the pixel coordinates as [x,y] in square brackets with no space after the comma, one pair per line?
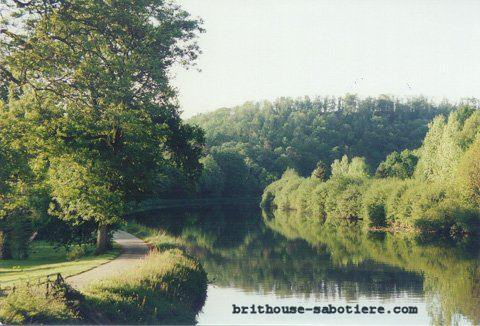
[284,260]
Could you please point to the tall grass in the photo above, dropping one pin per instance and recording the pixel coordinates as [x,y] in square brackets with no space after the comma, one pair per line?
[31,305]
[168,288]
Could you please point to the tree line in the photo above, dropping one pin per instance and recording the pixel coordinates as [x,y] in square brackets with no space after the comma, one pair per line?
[434,189]
[251,145]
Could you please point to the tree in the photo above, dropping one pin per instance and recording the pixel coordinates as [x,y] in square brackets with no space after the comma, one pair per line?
[18,197]
[297,133]
[355,168]
[469,172]
[399,165]
[212,180]
[91,85]
[320,171]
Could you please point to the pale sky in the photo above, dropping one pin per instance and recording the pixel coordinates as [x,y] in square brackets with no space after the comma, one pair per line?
[264,49]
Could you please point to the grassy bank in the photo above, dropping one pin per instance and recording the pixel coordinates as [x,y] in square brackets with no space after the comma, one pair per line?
[169,287]
[45,259]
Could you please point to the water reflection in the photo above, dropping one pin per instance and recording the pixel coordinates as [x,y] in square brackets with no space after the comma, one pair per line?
[281,256]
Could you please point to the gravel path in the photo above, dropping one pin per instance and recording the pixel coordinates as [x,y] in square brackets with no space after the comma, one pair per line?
[133,250]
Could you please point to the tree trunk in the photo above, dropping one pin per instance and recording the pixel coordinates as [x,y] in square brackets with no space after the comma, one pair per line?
[102,239]
[4,246]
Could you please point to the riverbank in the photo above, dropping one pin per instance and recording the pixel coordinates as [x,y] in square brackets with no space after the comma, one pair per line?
[430,209]
[168,287]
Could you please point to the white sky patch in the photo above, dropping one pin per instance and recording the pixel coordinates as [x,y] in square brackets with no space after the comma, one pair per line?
[263,49]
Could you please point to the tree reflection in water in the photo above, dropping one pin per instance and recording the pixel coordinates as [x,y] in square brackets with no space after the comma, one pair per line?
[291,255]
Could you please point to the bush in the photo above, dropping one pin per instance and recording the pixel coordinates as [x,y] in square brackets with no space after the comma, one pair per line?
[349,203]
[169,288]
[374,204]
[77,252]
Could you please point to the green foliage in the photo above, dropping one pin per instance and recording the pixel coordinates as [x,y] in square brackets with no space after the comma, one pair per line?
[374,203]
[445,144]
[91,121]
[337,198]
[79,189]
[320,171]
[169,288]
[212,180]
[77,251]
[237,174]
[469,173]
[398,165]
[298,133]
[30,305]
[440,198]
[356,168]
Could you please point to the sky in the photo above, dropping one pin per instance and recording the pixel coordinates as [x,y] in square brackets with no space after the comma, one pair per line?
[264,49]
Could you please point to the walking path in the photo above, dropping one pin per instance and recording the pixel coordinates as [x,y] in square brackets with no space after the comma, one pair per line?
[133,250]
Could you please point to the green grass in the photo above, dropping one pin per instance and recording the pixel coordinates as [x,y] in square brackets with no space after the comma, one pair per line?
[45,259]
[30,305]
[169,287]
[157,238]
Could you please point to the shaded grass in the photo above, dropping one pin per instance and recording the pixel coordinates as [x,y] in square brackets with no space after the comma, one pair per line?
[46,259]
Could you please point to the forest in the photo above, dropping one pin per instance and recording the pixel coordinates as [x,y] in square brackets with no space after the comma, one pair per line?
[433,189]
[249,146]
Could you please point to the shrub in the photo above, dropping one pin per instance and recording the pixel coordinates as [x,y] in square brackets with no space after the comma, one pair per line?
[374,204]
[169,288]
[77,252]
[400,165]
[349,203]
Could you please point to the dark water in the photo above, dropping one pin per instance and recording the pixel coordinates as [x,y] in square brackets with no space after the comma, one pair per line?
[288,260]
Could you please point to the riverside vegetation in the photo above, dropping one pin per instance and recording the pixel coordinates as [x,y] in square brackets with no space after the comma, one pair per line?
[169,287]
[433,189]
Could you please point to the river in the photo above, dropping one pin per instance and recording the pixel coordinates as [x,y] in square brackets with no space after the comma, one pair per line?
[283,260]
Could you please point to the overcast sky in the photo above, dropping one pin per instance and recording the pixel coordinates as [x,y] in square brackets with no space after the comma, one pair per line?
[263,49]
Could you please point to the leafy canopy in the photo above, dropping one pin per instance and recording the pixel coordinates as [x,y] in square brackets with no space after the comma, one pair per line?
[89,94]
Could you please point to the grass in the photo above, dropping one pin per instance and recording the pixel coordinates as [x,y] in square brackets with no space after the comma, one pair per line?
[45,259]
[157,238]
[169,287]
[30,305]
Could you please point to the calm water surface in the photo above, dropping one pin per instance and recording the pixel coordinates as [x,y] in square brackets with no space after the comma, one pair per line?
[287,260]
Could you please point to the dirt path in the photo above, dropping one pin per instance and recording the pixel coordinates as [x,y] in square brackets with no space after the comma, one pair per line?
[133,250]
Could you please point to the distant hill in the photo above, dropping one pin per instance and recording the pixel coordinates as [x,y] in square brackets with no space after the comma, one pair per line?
[270,137]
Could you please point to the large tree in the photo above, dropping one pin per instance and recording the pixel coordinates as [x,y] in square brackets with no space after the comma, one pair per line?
[90,81]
